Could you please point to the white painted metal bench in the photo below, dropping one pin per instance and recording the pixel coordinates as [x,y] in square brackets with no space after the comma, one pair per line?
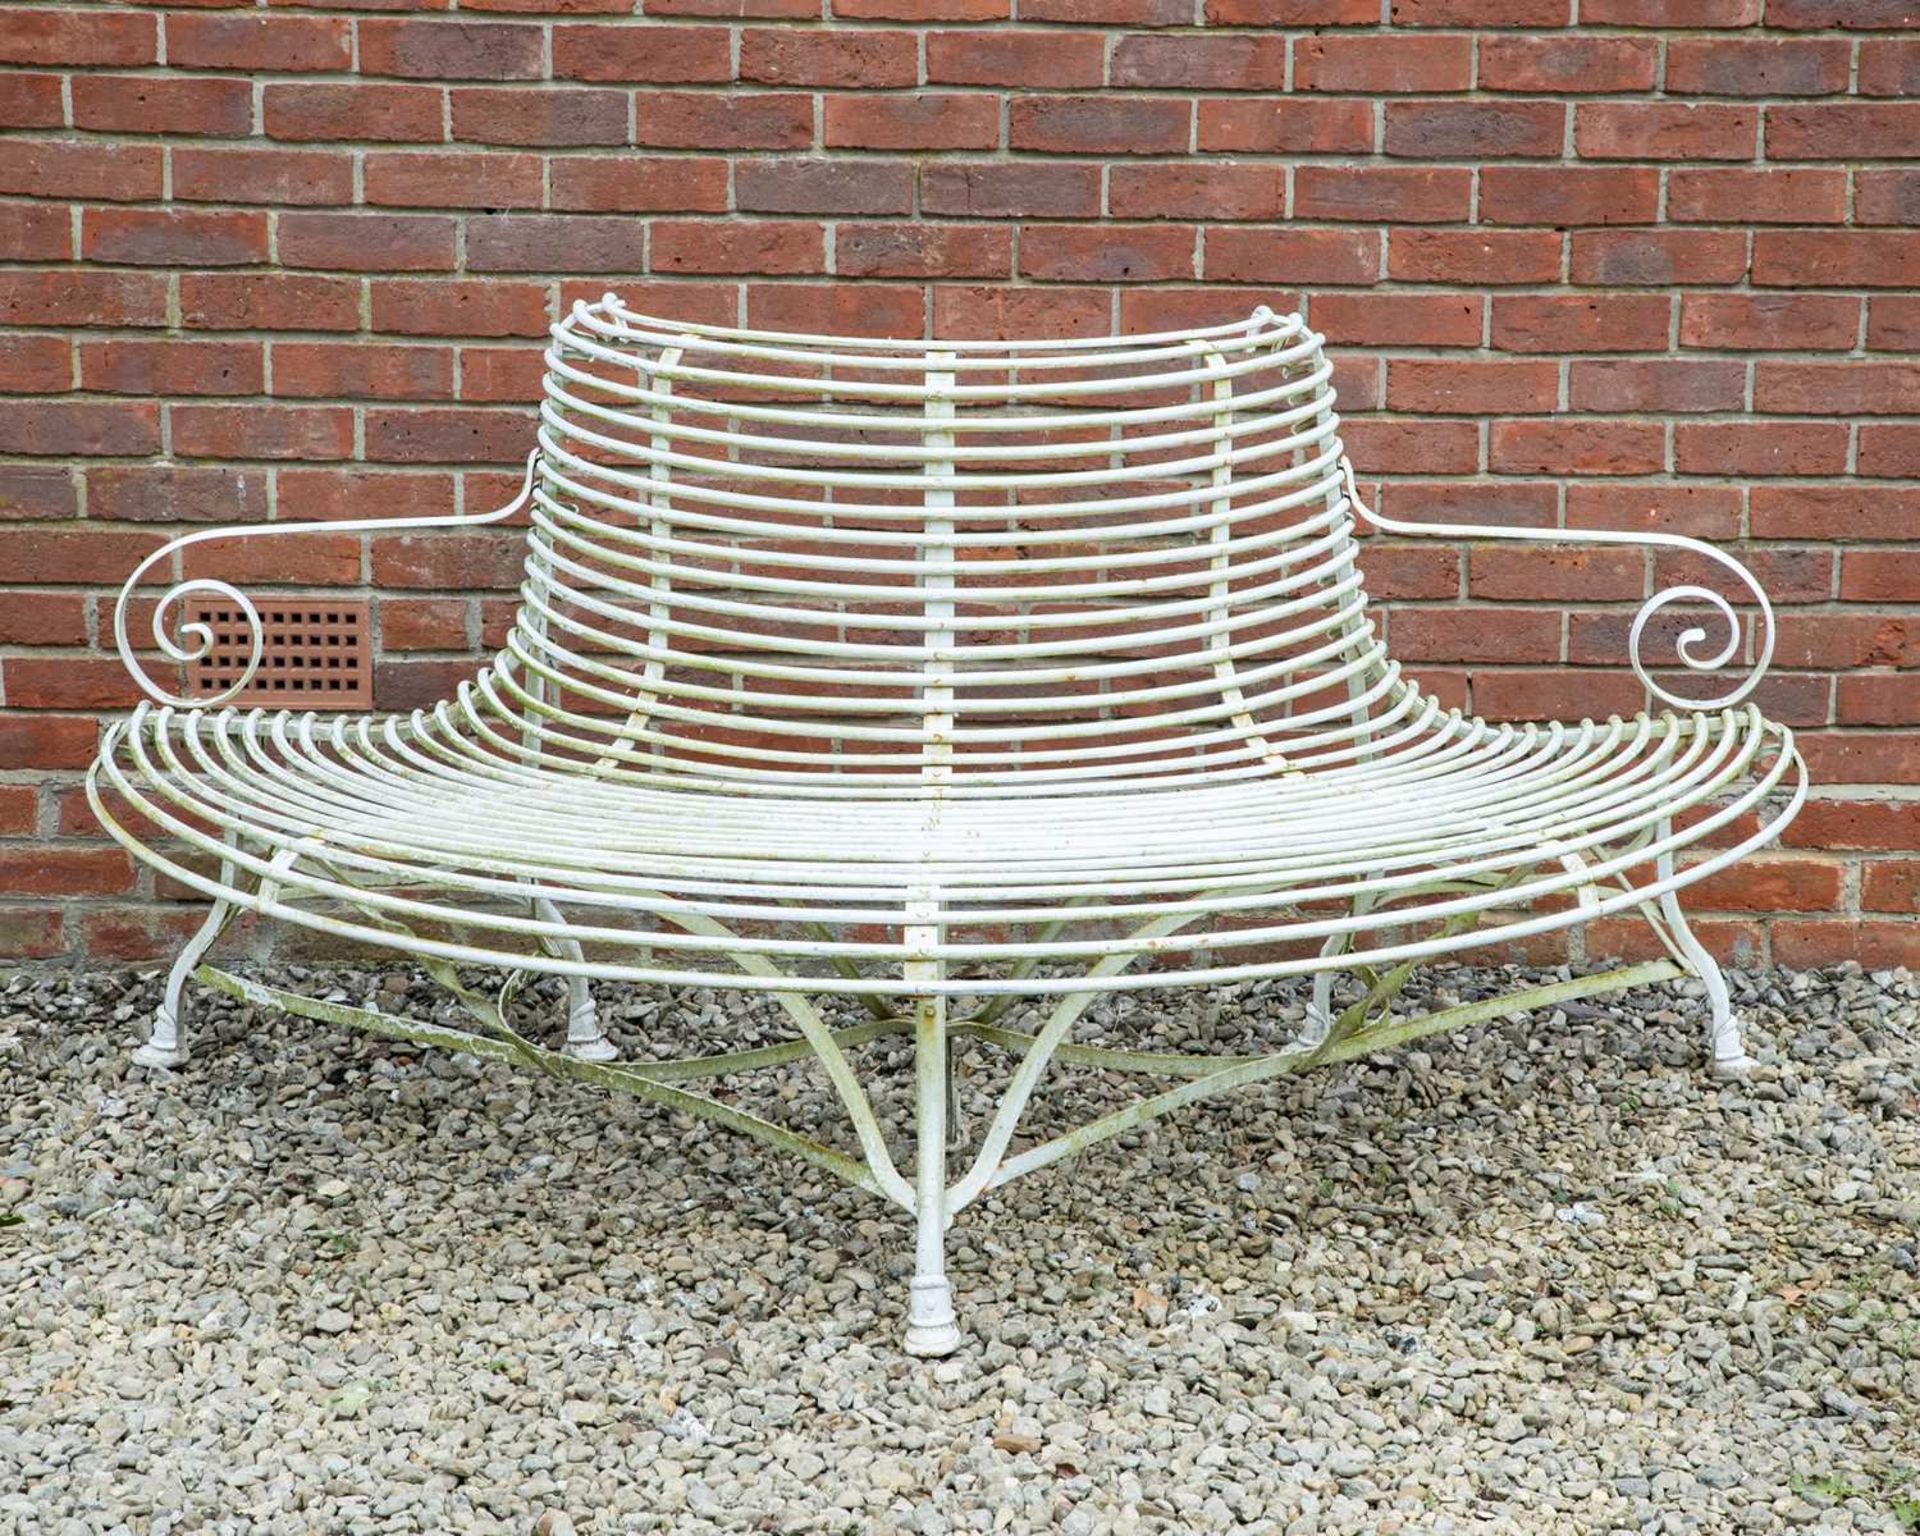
[944,673]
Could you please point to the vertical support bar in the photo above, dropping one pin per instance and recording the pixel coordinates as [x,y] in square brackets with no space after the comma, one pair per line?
[163,1046]
[937,587]
[1221,566]
[931,1326]
[1730,1060]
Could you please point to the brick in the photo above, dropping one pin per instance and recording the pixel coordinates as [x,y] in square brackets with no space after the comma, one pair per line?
[69,298]
[1837,642]
[72,556]
[434,178]
[1880,576]
[849,60]
[128,935]
[153,237]
[1196,191]
[1862,757]
[626,54]
[32,101]
[502,374]
[1466,130]
[99,428]
[351,490]
[1870,825]
[559,242]
[49,741]
[1725,66]
[367,242]
[304,111]
[452,50]
[1130,13]
[45,869]
[35,365]
[1890,885]
[1473,257]
[1836,130]
[1838,389]
[1290,13]
[1661,258]
[352,370]
[151,104]
[1009,189]
[1568,63]
[19,804]
[745,9]
[1304,256]
[176,493]
[269,301]
[1475,634]
[418,623]
[262,432]
[740,245]
[1399,319]
[1836,512]
[171,367]
[1286,126]
[416,307]
[735,120]
[442,559]
[1550,694]
[1098,125]
[1539,194]
[1383,194]
[640,184]
[1182,308]
[1481,13]
[1893,322]
[1551,574]
[256,42]
[251,174]
[1671,13]
[923,120]
[838,308]
[1771,883]
[1853,258]
[1664,386]
[1649,130]
[37,491]
[1365,64]
[823,185]
[1187,61]
[1414,447]
[1769,322]
[1593,322]
[117,173]
[1471,388]
[1863,15]
[322,559]
[1054,60]
[90,38]
[1723,195]
[919,10]
[446,435]
[1760,448]
[1890,67]
[923,250]
[1886,197]
[1109,253]
[1571,447]
[1890,450]
[560,116]
[1697,511]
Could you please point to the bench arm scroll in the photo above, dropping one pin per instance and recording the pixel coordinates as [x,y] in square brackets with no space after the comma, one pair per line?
[1686,644]
[190,641]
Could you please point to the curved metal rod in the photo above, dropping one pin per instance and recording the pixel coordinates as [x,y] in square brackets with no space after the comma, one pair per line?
[199,637]
[1665,598]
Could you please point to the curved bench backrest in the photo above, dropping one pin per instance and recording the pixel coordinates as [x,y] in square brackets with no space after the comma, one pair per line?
[762,558]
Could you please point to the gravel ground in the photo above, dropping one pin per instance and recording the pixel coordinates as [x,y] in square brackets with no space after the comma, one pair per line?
[1539,1276]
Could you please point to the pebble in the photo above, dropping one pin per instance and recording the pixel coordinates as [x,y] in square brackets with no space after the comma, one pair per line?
[1543,1274]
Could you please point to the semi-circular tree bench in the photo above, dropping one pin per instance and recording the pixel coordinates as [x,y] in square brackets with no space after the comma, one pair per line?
[943,673]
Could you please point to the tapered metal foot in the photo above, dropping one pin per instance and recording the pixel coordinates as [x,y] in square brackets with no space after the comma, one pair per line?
[932,1329]
[164,1047]
[1728,1058]
[585,1040]
[1735,1066]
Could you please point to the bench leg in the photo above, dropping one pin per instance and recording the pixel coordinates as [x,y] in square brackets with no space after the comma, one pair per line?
[164,1046]
[931,1328]
[585,1039]
[1729,1056]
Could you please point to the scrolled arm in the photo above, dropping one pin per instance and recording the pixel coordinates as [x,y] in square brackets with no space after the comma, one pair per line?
[1689,640]
[189,642]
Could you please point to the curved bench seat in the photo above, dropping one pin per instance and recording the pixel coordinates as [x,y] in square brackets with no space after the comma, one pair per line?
[935,671]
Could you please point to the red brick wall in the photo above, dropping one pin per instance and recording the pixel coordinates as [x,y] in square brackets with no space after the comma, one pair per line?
[1647,269]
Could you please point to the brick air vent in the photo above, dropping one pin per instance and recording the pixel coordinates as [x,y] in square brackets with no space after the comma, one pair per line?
[318,655]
